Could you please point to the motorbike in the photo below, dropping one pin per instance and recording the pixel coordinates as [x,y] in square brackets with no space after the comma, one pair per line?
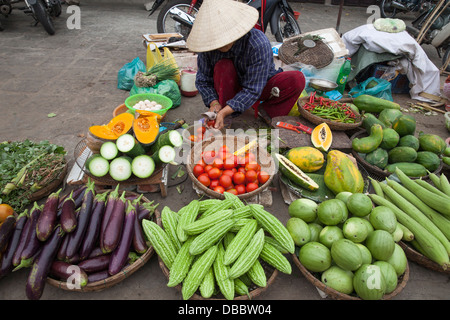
[438,34]
[42,11]
[389,8]
[178,16]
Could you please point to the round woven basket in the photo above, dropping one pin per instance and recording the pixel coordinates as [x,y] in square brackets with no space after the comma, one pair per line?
[254,291]
[376,170]
[234,143]
[318,56]
[50,187]
[334,125]
[336,295]
[419,258]
[122,275]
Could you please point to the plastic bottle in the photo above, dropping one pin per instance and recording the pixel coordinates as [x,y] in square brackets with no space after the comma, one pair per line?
[343,75]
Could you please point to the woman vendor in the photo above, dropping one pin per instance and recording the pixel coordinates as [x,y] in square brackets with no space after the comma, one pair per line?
[236,70]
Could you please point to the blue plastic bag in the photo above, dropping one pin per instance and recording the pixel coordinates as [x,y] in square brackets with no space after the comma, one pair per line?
[381,90]
[168,88]
[125,76]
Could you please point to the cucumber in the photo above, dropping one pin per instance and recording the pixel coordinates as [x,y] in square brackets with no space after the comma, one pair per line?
[120,169]
[143,166]
[166,154]
[127,144]
[109,150]
[98,166]
[171,138]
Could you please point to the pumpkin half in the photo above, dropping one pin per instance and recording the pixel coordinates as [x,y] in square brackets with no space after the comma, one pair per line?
[146,127]
[321,137]
[118,126]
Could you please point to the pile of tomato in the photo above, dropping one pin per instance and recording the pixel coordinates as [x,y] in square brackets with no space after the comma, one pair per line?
[221,170]
[202,132]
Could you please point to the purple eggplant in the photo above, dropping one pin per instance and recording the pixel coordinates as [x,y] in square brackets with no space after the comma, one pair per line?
[41,267]
[84,216]
[97,251]
[48,217]
[119,257]
[93,230]
[6,231]
[61,255]
[110,204]
[64,271]
[139,241]
[32,243]
[68,219]
[146,210]
[95,264]
[6,265]
[76,195]
[113,231]
[23,238]
[98,276]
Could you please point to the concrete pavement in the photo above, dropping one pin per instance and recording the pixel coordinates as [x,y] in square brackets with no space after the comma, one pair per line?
[74,75]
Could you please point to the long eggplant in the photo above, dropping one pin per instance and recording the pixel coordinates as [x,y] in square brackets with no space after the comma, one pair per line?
[6,265]
[48,218]
[113,231]
[23,237]
[32,243]
[95,264]
[41,267]
[61,255]
[98,276]
[93,230]
[139,241]
[6,231]
[84,216]
[65,271]
[77,195]
[97,251]
[119,256]
[68,219]
[110,204]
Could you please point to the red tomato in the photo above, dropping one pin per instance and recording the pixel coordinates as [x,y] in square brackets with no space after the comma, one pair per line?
[208,167]
[240,160]
[253,165]
[228,172]
[251,176]
[217,163]
[226,181]
[209,156]
[214,183]
[233,191]
[214,173]
[202,163]
[234,170]
[204,179]
[239,178]
[219,189]
[211,123]
[240,188]
[201,130]
[263,177]
[198,170]
[241,169]
[251,186]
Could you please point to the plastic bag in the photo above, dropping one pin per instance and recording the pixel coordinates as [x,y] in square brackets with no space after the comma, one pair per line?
[155,57]
[125,77]
[168,88]
[380,88]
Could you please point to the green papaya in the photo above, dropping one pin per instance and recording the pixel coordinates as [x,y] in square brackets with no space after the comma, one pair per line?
[402,154]
[370,143]
[369,120]
[429,160]
[378,158]
[390,139]
[411,169]
[404,125]
[431,142]
[388,116]
[373,104]
[409,141]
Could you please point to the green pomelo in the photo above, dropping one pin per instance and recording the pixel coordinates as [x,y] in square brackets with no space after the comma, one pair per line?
[389,274]
[369,283]
[383,218]
[346,254]
[304,209]
[330,212]
[398,260]
[315,257]
[299,231]
[315,229]
[359,204]
[330,234]
[366,256]
[381,244]
[368,224]
[355,229]
[339,279]
[344,195]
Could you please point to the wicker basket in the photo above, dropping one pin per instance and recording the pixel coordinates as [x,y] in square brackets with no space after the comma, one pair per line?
[419,258]
[115,279]
[376,170]
[49,188]
[338,126]
[319,56]
[336,295]
[264,159]
[254,291]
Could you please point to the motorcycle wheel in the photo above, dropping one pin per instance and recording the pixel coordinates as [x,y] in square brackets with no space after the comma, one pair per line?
[55,9]
[387,10]
[166,24]
[41,15]
[287,27]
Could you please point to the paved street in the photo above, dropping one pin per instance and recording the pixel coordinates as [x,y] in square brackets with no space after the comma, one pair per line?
[73,74]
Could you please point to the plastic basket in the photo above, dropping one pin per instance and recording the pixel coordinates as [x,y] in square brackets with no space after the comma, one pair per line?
[162,100]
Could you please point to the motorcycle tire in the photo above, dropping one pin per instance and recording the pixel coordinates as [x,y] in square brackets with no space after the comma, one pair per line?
[287,28]
[165,23]
[41,15]
[386,9]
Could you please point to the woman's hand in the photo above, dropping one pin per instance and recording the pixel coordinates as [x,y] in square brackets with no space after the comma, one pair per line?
[223,113]
[215,106]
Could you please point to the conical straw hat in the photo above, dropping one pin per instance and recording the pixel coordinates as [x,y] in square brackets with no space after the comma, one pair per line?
[220,22]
